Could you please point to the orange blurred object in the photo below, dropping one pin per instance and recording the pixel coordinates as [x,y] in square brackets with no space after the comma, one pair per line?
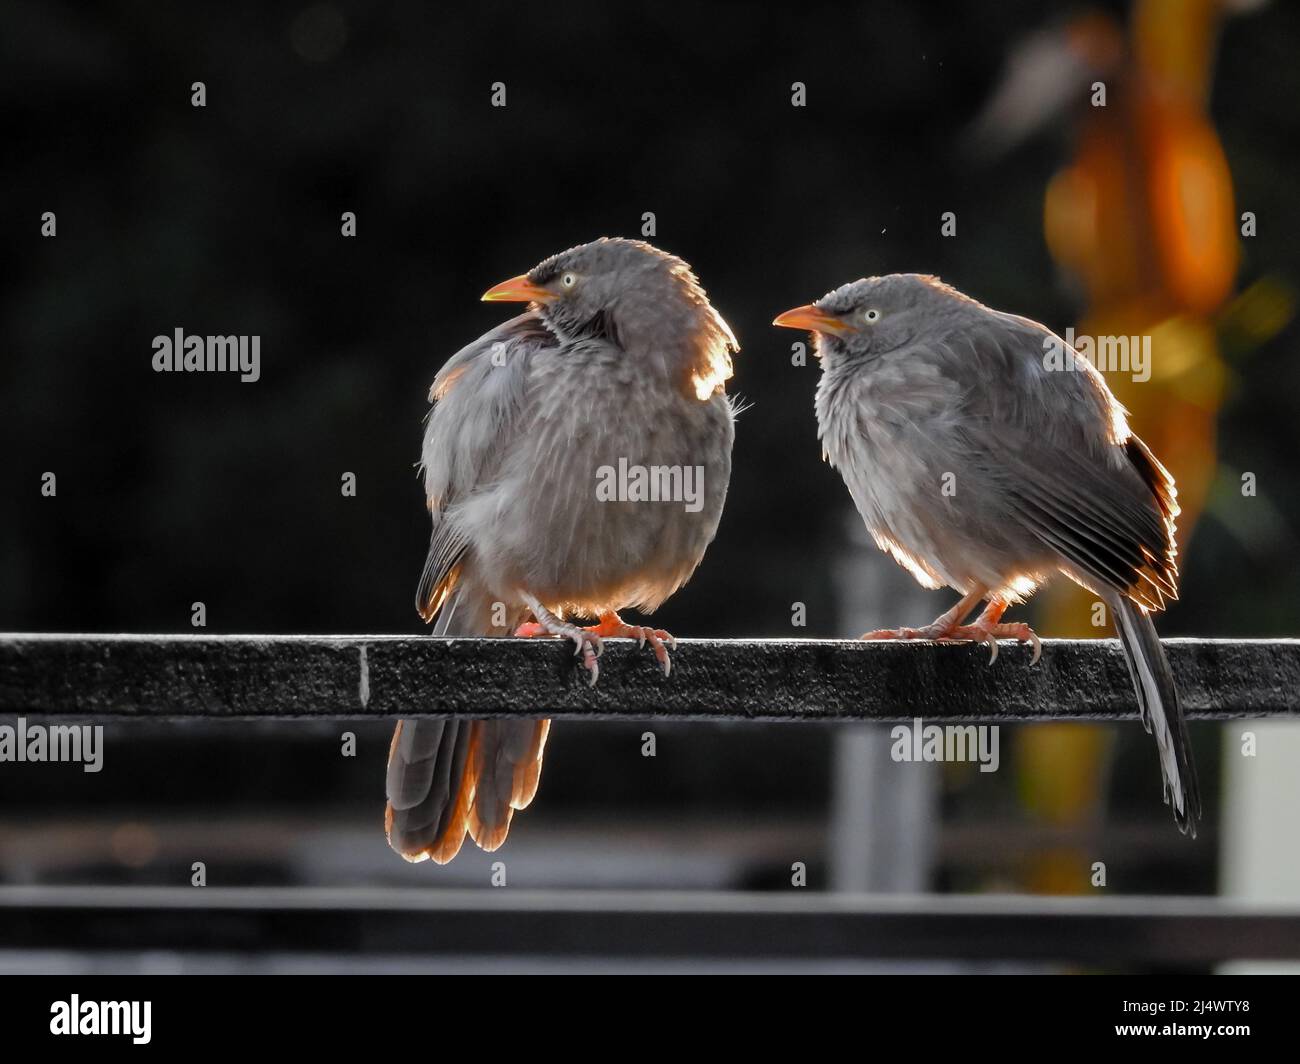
[1143,218]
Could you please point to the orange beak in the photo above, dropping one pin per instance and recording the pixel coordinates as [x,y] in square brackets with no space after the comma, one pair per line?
[518,290]
[810,318]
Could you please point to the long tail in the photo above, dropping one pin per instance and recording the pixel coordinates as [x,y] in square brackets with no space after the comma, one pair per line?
[449,777]
[1161,714]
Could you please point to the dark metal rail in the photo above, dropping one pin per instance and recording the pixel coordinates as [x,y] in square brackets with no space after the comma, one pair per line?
[164,676]
[508,921]
[358,677]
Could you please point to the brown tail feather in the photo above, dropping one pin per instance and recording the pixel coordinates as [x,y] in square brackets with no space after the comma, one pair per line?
[529,771]
[464,795]
[448,842]
[430,788]
[450,778]
[505,758]
[507,752]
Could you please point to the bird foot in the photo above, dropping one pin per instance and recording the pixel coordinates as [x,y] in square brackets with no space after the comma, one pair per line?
[991,633]
[979,632]
[931,632]
[612,626]
[587,642]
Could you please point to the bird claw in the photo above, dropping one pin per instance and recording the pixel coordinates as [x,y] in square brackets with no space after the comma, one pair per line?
[1022,633]
[929,632]
[612,627]
[588,646]
[588,649]
[991,633]
[589,643]
[659,641]
[979,633]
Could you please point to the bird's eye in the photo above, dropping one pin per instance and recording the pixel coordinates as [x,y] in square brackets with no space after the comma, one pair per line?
[871,315]
[568,280]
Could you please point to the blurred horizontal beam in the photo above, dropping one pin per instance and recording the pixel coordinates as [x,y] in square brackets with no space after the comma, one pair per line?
[509,921]
[356,677]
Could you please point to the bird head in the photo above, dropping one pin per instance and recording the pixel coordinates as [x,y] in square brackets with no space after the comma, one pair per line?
[628,292]
[873,315]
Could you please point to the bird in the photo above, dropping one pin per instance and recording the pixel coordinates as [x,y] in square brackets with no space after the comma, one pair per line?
[985,455]
[619,362]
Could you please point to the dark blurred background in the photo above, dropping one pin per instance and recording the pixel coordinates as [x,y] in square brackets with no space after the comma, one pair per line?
[175,488]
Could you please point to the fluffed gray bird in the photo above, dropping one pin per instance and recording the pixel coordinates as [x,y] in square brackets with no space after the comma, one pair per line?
[980,465]
[619,363]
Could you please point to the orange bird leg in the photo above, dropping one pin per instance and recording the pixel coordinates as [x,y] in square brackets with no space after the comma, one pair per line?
[941,627]
[612,626]
[987,628]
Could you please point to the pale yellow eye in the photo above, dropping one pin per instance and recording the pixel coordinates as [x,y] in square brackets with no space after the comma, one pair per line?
[568,280]
[871,316]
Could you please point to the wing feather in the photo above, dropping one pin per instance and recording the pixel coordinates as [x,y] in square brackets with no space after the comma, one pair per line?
[1057,450]
[477,397]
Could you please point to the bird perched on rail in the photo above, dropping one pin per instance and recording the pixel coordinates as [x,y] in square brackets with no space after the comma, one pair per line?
[619,358]
[986,456]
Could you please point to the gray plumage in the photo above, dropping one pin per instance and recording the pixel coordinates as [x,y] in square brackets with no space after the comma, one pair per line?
[922,388]
[621,357]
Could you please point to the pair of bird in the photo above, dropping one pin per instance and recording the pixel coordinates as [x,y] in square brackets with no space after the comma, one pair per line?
[972,463]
